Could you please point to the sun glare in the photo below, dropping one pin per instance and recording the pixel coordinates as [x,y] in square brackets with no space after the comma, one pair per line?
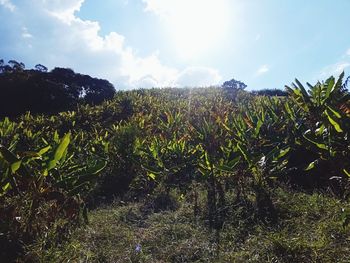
[196,26]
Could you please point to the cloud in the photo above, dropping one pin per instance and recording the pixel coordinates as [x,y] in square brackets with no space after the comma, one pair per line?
[334,69]
[25,33]
[262,70]
[198,76]
[54,36]
[8,4]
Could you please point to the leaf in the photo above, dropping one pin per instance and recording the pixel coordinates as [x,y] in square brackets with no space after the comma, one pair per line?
[319,145]
[257,128]
[333,122]
[229,167]
[283,152]
[62,147]
[60,152]
[330,87]
[311,166]
[6,187]
[346,172]
[244,153]
[78,189]
[152,176]
[8,156]
[336,114]
[96,168]
[303,91]
[207,160]
[44,150]
[15,166]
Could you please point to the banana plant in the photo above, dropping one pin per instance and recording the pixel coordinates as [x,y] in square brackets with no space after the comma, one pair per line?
[48,175]
[324,123]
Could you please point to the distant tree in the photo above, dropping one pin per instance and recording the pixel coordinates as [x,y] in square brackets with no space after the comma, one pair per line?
[40,91]
[40,68]
[234,84]
[232,88]
[270,92]
[16,66]
[4,68]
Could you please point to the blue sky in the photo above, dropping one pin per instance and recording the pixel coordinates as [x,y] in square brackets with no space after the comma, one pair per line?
[145,43]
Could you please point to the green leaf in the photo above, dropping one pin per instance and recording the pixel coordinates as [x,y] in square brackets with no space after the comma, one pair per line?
[207,160]
[244,153]
[330,87]
[44,150]
[311,166]
[152,176]
[283,152]
[257,128]
[61,150]
[78,189]
[319,145]
[229,168]
[7,155]
[62,147]
[6,187]
[346,172]
[336,114]
[96,168]
[333,122]
[15,166]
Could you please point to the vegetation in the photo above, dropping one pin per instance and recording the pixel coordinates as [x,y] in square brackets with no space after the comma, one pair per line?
[39,91]
[212,174]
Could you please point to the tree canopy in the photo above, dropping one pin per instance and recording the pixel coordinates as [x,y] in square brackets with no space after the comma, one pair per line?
[40,91]
[234,84]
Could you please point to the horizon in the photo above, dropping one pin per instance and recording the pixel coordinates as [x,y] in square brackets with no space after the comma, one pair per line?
[166,43]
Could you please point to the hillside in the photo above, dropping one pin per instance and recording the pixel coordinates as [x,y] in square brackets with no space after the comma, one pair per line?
[180,175]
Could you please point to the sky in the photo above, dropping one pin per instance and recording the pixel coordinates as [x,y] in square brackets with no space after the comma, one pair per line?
[162,43]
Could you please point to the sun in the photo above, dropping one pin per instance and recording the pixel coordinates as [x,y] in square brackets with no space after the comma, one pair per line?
[197,26]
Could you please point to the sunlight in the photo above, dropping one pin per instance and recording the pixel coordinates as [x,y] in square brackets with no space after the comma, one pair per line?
[197,26]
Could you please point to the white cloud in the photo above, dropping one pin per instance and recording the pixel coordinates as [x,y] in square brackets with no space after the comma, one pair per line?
[348,52]
[63,9]
[262,70]
[25,33]
[8,4]
[198,76]
[63,39]
[334,69]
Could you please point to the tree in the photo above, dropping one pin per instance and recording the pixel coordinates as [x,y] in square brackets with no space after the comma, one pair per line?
[40,68]
[234,84]
[16,66]
[270,92]
[40,91]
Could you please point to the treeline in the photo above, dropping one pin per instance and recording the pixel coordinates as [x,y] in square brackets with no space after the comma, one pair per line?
[41,91]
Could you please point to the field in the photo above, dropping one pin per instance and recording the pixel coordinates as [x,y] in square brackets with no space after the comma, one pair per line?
[181,175]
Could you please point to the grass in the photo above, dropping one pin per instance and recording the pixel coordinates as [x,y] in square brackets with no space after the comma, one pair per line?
[310,229]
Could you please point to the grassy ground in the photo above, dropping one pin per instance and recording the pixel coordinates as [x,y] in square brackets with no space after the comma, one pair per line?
[310,229]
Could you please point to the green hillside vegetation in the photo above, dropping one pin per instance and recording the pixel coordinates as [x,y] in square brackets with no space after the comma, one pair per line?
[180,175]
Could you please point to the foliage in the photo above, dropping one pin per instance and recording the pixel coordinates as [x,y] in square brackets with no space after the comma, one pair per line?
[270,92]
[234,147]
[234,84]
[39,91]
